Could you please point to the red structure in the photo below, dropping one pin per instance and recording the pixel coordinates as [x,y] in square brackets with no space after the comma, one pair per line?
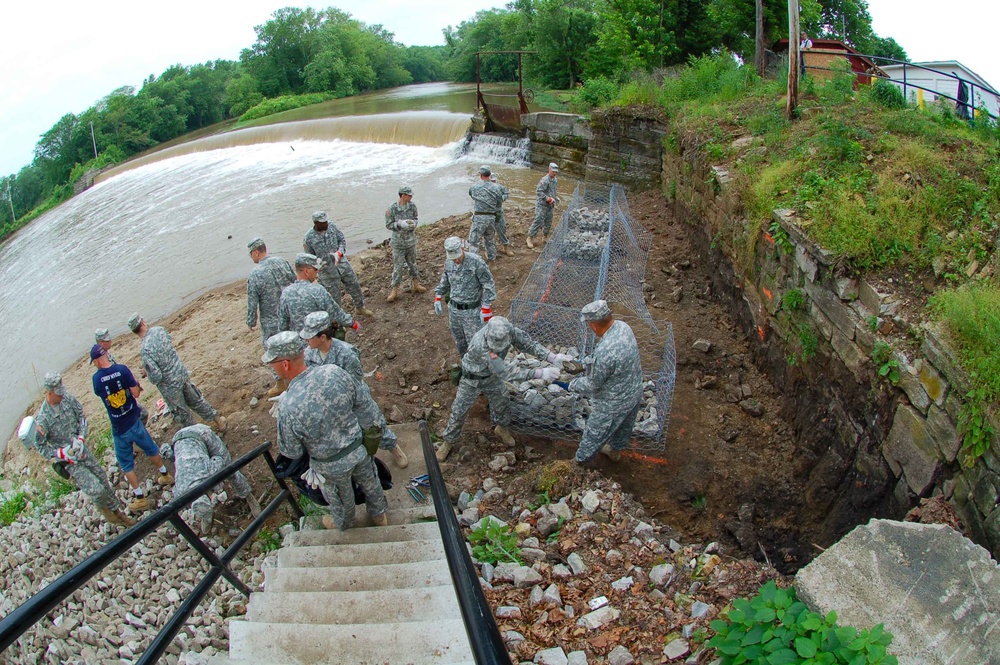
[820,58]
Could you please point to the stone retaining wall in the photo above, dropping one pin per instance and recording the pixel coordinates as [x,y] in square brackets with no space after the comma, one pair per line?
[563,138]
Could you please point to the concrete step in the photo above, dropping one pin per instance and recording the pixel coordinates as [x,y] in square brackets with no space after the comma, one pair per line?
[418,513]
[416,642]
[374,534]
[341,607]
[420,574]
[360,554]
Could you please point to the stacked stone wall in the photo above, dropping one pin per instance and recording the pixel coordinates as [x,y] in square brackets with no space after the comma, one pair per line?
[563,138]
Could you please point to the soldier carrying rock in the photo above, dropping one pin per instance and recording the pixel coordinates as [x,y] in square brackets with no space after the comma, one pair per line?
[269,276]
[469,282]
[328,243]
[401,219]
[304,296]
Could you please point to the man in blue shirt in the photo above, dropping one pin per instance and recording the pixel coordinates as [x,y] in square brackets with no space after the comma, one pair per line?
[118,389]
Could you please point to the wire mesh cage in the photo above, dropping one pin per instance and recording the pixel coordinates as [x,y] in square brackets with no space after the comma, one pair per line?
[595,251]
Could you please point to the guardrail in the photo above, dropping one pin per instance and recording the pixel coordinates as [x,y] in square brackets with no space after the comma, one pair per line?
[484,636]
[35,608]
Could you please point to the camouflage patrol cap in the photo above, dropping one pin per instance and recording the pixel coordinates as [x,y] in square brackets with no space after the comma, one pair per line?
[256,243]
[286,344]
[102,335]
[315,323]
[498,333]
[493,177]
[406,189]
[304,259]
[453,247]
[485,170]
[595,311]
[320,216]
[553,167]
[134,322]
[53,383]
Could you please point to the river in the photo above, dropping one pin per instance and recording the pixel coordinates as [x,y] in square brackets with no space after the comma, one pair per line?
[155,234]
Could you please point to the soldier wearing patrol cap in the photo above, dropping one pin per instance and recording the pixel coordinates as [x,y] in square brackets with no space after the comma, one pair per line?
[102,336]
[501,219]
[401,219]
[468,282]
[487,204]
[327,242]
[323,413]
[270,275]
[545,203]
[304,296]
[613,383]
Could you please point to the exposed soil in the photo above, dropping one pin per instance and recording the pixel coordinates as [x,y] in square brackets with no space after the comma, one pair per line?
[723,474]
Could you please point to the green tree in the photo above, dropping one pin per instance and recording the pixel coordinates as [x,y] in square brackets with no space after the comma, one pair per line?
[563,36]
[283,48]
[425,63]
[242,93]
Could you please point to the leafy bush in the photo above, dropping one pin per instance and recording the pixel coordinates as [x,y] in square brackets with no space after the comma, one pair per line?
[596,92]
[793,299]
[493,542]
[284,103]
[774,628]
[887,95]
[885,362]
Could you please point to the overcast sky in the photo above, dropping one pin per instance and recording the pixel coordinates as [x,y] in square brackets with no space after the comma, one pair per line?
[61,56]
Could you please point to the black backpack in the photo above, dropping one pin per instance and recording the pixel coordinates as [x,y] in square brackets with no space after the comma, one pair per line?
[292,469]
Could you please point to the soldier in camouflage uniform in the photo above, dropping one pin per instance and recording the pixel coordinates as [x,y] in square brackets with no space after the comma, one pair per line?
[325,349]
[613,383]
[336,274]
[164,368]
[269,276]
[501,219]
[198,453]
[102,336]
[487,204]
[304,296]
[469,282]
[59,434]
[545,203]
[484,370]
[401,219]
[321,414]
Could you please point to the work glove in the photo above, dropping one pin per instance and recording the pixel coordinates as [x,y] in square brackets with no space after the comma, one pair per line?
[337,256]
[438,307]
[486,313]
[320,264]
[355,326]
[547,373]
[277,404]
[411,224]
[401,226]
[313,479]
[65,455]
[558,359]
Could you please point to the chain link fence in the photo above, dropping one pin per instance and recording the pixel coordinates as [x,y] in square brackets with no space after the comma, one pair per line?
[595,251]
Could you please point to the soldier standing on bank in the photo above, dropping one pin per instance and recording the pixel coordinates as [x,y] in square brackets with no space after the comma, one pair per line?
[401,219]
[317,415]
[545,203]
[484,370]
[269,276]
[102,336]
[327,242]
[487,204]
[304,296]
[501,219]
[58,433]
[471,289]
[164,368]
[613,383]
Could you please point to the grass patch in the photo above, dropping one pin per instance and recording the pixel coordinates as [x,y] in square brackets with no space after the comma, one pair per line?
[101,443]
[12,506]
[269,539]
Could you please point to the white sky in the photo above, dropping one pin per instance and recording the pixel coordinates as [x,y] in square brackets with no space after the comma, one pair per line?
[61,56]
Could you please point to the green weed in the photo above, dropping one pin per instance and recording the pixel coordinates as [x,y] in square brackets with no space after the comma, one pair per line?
[269,539]
[493,542]
[793,300]
[885,362]
[11,506]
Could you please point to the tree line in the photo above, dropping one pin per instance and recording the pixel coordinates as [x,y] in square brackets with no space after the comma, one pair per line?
[301,51]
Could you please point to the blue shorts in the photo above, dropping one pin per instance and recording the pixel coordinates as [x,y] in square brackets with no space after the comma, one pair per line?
[137,435]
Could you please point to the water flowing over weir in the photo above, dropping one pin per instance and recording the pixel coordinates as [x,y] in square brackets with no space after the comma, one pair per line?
[496,149]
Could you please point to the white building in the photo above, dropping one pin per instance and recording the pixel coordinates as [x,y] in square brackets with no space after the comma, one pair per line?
[943,81]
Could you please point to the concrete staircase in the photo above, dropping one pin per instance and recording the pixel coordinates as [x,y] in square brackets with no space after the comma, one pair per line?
[367,595]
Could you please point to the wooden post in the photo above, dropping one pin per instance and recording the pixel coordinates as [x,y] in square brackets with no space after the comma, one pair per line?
[793,59]
[759,58]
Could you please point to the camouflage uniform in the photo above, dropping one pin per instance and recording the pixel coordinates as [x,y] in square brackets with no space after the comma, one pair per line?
[403,242]
[334,277]
[302,297]
[614,384]
[60,425]
[487,204]
[164,368]
[543,211]
[318,416]
[348,358]
[501,220]
[198,453]
[471,286]
[264,286]
[481,373]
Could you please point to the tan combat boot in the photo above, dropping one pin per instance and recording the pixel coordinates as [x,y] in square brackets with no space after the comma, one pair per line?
[393,294]
[613,455]
[418,287]
[280,386]
[165,479]
[504,434]
[529,243]
[364,311]
[115,517]
[218,425]
[139,504]
[442,451]
[399,457]
[381,520]
[507,250]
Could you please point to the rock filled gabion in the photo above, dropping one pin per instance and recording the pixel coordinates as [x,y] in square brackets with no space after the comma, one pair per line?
[586,236]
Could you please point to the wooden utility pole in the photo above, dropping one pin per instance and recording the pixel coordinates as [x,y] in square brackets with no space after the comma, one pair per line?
[759,58]
[793,59]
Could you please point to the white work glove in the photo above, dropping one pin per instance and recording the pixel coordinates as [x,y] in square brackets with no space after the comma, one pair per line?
[337,256]
[276,406]
[320,264]
[402,226]
[558,359]
[313,479]
[66,454]
[547,373]
[438,306]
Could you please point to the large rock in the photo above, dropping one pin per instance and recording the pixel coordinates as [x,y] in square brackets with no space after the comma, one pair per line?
[934,590]
[910,449]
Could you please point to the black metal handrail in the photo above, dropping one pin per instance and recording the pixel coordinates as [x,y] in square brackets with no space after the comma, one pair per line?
[35,608]
[484,636]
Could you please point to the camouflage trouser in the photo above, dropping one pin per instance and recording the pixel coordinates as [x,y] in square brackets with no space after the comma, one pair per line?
[468,392]
[93,481]
[183,399]
[403,255]
[502,229]
[605,426]
[464,323]
[339,493]
[484,229]
[542,221]
[351,283]
[269,328]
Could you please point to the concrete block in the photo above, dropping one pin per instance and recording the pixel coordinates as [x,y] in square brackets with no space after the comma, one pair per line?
[346,607]
[910,448]
[354,578]
[371,554]
[375,534]
[932,588]
[946,437]
[935,384]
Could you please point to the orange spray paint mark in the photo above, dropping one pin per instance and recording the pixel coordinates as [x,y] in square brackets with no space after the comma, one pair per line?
[767,237]
[767,292]
[760,332]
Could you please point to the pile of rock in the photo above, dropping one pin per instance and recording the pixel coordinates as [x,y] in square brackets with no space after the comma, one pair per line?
[587,234]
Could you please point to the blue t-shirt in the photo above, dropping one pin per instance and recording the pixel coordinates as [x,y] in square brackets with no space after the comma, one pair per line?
[112,386]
